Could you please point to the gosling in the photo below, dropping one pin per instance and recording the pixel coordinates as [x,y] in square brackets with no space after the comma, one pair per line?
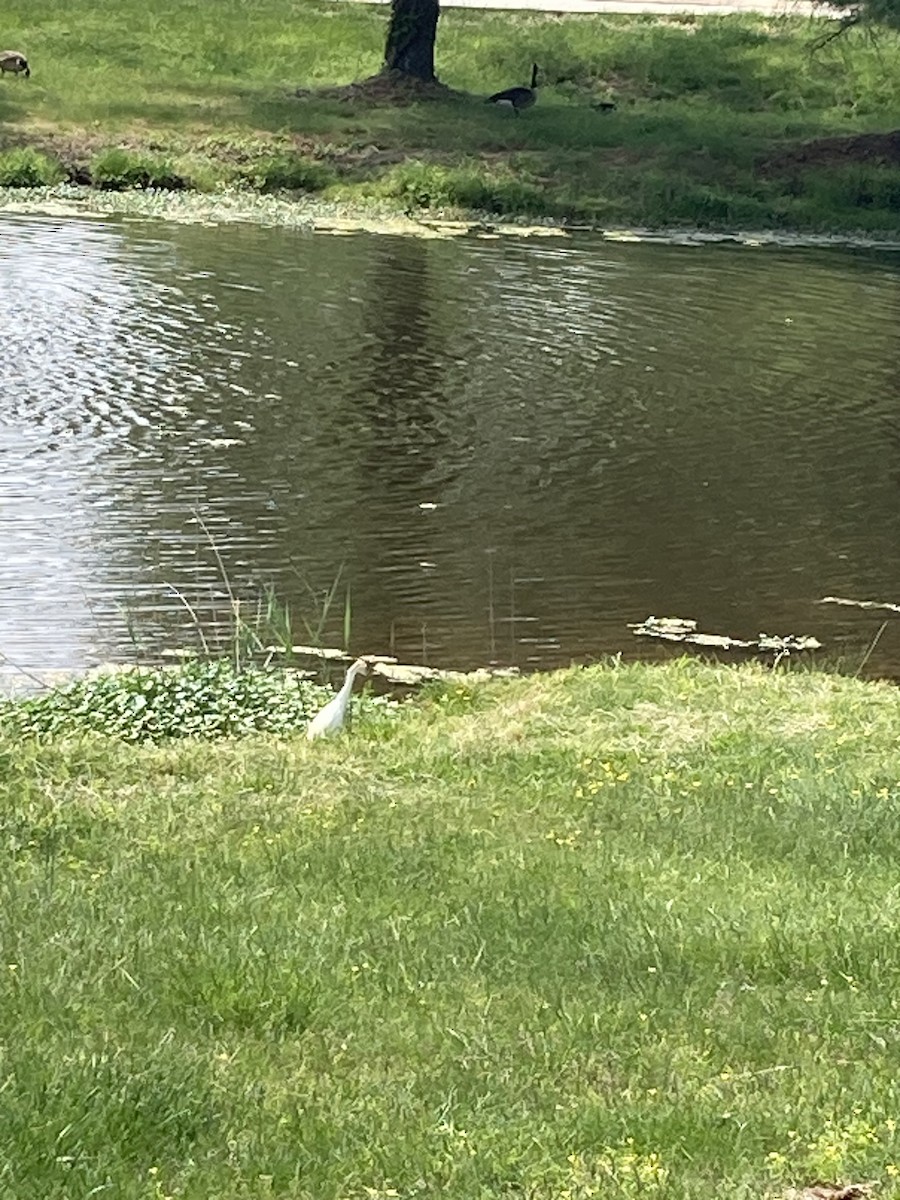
[13,60]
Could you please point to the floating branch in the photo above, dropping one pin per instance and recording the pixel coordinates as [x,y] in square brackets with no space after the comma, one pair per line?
[411,674]
[387,668]
[883,605]
[392,671]
[677,629]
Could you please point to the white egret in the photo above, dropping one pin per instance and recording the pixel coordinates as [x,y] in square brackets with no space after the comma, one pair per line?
[330,719]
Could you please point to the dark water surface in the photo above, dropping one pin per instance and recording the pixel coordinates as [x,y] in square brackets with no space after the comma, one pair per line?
[512,447]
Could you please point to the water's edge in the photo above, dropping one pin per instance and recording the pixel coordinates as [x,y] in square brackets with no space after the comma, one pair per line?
[320,217]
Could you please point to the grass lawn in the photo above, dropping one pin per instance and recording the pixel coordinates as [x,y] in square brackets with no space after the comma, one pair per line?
[624,931]
[179,93]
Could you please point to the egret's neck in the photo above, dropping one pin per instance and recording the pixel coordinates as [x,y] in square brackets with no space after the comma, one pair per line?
[352,671]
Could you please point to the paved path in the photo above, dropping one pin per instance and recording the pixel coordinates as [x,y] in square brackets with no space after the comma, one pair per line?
[796,8]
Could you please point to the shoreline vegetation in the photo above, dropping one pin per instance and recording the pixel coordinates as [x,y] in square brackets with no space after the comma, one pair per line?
[617,930]
[721,122]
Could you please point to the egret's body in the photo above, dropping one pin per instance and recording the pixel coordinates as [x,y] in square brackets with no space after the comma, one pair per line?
[330,719]
[517,98]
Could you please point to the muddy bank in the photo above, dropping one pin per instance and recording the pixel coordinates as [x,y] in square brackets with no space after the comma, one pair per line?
[319,216]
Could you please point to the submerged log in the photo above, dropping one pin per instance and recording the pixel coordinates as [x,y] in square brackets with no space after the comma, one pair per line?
[678,629]
[881,605]
[387,668]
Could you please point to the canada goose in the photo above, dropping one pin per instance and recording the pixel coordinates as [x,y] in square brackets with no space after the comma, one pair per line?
[12,60]
[517,98]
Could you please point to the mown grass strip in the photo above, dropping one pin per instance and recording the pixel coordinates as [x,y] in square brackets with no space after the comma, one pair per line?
[626,930]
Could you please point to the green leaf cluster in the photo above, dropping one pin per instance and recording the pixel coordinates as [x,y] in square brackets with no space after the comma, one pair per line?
[200,699]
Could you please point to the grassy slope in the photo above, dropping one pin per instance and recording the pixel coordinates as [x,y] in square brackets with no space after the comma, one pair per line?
[614,932]
[207,92]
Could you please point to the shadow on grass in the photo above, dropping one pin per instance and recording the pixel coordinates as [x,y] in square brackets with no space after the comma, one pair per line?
[10,108]
[179,108]
[555,130]
[723,68]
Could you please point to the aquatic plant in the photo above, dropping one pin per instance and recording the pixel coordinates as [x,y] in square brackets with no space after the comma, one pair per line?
[25,167]
[289,172]
[117,168]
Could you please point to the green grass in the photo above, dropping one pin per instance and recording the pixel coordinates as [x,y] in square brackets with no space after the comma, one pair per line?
[626,931]
[701,103]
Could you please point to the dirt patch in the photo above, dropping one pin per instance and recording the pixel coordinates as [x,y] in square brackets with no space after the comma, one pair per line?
[389,88]
[869,149]
[75,151]
[72,150]
[831,1191]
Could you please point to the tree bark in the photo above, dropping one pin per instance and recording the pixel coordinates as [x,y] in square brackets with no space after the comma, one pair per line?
[410,39]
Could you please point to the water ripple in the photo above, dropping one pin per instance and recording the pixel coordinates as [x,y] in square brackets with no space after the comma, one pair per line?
[510,449]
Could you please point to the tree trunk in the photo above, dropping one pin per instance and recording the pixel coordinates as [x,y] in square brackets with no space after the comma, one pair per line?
[410,39]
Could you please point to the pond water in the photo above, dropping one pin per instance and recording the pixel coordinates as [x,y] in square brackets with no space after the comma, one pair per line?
[508,449]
